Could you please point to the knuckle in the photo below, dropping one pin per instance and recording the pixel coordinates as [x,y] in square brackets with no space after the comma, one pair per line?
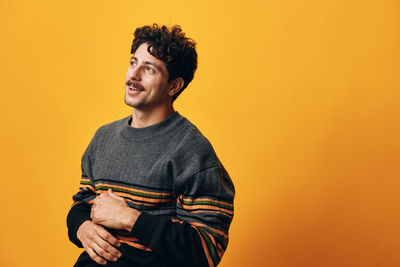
[102,253]
[89,235]
[115,252]
[107,246]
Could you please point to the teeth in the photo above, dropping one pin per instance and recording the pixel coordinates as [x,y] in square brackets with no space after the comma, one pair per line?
[134,88]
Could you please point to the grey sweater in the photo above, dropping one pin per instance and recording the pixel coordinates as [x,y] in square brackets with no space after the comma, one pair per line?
[168,171]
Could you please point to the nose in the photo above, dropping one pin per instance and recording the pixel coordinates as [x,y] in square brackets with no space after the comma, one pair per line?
[134,74]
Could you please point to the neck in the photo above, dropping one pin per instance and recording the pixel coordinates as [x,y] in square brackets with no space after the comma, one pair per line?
[142,118]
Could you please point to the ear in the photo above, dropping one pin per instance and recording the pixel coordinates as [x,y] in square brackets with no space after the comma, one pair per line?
[175,86]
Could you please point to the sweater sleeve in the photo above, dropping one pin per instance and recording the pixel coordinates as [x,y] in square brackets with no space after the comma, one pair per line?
[199,235]
[81,207]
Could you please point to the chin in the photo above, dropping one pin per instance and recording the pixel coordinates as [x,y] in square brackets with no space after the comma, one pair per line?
[129,103]
[133,104]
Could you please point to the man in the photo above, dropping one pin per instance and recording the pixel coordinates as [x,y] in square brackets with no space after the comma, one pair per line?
[153,192]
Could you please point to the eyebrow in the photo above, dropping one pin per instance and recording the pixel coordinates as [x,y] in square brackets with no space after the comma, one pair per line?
[149,63]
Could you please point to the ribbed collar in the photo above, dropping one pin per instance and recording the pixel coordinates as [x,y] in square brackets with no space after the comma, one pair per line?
[146,132]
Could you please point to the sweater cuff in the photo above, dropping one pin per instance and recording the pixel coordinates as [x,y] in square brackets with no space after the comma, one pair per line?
[76,216]
[144,227]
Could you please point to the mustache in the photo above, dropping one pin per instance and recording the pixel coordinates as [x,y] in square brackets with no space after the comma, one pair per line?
[134,84]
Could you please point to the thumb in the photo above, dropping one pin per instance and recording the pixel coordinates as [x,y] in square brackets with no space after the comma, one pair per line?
[111,194]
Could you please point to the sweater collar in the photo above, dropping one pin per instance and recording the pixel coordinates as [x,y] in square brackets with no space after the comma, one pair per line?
[146,132]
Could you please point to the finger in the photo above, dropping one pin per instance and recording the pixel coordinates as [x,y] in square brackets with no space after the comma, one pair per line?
[94,256]
[103,253]
[103,248]
[92,214]
[112,194]
[107,247]
[105,235]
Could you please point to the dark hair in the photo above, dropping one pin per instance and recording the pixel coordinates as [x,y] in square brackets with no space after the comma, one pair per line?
[171,46]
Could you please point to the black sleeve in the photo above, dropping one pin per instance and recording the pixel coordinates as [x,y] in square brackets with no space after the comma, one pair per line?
[78,214]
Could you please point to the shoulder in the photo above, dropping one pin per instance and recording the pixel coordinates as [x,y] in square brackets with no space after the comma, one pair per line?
[194,149]
[198,164]
[194,138]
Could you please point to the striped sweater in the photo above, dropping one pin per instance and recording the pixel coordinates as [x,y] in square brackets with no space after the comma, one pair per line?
[168,171]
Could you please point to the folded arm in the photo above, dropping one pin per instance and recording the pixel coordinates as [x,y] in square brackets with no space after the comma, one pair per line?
[82,231]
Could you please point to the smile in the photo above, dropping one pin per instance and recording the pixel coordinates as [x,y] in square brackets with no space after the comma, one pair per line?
[132,88]
[133,91]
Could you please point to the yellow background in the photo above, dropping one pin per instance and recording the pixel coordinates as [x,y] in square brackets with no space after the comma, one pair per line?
[299,98]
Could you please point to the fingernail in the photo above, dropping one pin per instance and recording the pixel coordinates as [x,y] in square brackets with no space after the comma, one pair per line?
[115,259]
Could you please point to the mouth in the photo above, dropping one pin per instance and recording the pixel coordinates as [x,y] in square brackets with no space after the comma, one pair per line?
[134,87]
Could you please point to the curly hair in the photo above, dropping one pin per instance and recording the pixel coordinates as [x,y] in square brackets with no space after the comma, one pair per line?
[171,46]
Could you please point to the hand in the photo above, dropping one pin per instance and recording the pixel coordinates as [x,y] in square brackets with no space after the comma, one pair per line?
[113,212]
[98,242]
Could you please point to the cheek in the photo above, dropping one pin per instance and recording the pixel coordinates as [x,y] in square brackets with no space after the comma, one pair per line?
[161,85]
[156,86]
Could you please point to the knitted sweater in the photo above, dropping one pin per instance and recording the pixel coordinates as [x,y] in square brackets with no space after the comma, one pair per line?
[168,171]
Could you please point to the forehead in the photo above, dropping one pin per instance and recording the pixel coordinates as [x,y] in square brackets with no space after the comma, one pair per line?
[142,55]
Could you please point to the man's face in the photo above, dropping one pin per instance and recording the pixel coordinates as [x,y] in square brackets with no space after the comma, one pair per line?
[146,81]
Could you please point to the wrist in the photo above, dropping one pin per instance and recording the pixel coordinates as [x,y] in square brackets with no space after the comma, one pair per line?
[81,228]
[130,219]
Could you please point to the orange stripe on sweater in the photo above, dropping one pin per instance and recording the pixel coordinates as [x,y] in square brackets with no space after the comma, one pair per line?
[213,229]
[209,207]
[205,248]
[133,197]
[217,246]
[134,190]
[136,245]
[77,202]
[206,199]
[86,186]
[132,241]
[194,224]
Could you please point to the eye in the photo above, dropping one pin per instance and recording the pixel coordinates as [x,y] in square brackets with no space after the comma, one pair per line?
[133,63]
[150,69]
